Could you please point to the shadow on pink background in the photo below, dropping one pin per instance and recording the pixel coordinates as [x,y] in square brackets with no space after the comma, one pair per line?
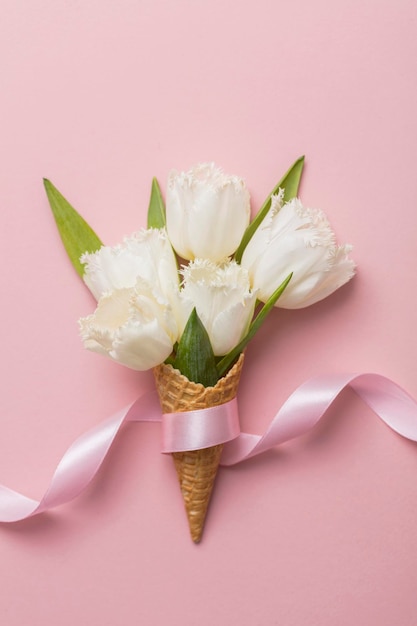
[99,97]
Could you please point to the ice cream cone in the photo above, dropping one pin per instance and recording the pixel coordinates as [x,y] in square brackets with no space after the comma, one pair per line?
[196,469]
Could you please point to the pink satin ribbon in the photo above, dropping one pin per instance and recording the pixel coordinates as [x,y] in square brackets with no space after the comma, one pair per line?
[193,430]
[300,413]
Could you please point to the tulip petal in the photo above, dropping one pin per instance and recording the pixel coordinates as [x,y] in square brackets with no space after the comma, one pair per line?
[132,326]
[146,254]
[141,346]
[289,183]
[223,299]
[227,361]
[207,212]
[299,240]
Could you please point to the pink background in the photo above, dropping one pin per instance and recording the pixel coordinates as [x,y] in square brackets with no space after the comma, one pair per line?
[99,96]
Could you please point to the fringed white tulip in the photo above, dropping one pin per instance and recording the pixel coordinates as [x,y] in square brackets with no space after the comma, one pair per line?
[207,212]
[133,326]
[294,239]
[223,299]
[146,254]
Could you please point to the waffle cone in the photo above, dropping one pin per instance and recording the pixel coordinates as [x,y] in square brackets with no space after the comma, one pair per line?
[196,469]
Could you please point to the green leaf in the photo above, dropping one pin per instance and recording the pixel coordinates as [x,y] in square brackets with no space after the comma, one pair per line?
[195,358]
[290,183]
[228,360]
[77,236]
[156,210]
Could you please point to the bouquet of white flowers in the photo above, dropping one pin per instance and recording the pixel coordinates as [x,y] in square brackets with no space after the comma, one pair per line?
[186,295]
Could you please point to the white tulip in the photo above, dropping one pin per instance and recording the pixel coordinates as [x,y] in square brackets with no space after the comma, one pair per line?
[207,212]
[146,254]
[223,299]
[133,326]
[294,239]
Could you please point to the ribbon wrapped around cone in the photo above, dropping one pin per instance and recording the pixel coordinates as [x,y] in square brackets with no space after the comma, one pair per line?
[196,469]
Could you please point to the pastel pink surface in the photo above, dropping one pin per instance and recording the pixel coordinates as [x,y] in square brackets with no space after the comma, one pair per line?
[100,97]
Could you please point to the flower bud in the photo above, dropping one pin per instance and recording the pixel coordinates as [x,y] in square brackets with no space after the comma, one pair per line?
[146,254]
[223,299]
[294,239]
[207,212]
[133,326]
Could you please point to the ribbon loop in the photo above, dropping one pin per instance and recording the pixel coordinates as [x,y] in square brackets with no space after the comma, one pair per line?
[203,428]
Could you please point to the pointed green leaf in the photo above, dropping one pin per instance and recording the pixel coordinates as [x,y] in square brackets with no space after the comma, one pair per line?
[290,183]
[156,210]
[227,361]
[77,236]
[195,358]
